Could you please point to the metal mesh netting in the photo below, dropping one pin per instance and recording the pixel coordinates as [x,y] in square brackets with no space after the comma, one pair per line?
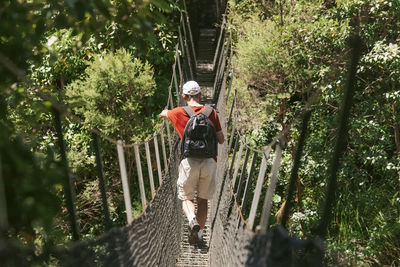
[152,239]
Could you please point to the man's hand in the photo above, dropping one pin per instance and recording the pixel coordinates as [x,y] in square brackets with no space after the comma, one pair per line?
[163,114]
[220,137]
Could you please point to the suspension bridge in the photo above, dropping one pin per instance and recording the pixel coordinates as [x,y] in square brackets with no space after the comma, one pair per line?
[233,236]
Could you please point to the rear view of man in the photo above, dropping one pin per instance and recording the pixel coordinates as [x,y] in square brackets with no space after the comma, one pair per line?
[198,168]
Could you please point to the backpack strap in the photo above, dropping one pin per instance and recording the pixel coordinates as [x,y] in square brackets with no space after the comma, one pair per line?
[189,111]
[207,110]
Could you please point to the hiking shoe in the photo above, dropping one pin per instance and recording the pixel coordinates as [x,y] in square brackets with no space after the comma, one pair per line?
[194,231]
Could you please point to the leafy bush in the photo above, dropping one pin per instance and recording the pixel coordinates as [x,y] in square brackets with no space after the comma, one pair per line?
[285,55]
[114,96]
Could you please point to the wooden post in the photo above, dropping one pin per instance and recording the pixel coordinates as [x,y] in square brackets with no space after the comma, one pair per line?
[237,166]
[257,192]
[163,148]
[158,159]
[169,137]
[125,185]
[249,181]
[149,167]
[243,173]
[140,176]
[271,187]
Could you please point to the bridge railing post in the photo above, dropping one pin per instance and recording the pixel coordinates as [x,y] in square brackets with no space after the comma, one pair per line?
[242,174]
[234,154]
[149,167]
[125,184]
[164,152]
[257,191]
[140,175]
[272,185]
[157,151]
[238,162]
[248,182]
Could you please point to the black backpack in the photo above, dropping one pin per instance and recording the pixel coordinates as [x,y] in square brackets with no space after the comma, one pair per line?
[199,139]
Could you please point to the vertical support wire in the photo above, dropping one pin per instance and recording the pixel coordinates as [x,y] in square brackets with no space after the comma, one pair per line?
[295,168]
[233,156]
[249,181]
[159,170]
[184,74]
[238,162]
[68,185]
[163,147]
[231,137]
[140,176]
[149,168]
[232,106]
[257,192]
[188,57]
[271,187]
[242,174]
[125,184]
[170,101]
[219,42]
[178,60]
[340,143]
[176,84]
[184,56]
[190,33]
[230,62]
[167,125]
[221,65]
[102,184]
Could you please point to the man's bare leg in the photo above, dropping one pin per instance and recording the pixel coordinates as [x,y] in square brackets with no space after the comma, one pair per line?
[188,209]
[202,208]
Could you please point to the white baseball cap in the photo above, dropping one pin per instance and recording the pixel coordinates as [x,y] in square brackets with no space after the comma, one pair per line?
[191,88]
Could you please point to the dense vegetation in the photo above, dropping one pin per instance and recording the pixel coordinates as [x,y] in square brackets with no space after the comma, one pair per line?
[109,62]
[288,52]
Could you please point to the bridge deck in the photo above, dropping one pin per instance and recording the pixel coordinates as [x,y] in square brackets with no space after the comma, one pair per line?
[198,255]
[194,255]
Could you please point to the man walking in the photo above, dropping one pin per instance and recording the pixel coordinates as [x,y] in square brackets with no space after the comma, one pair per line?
[196,173]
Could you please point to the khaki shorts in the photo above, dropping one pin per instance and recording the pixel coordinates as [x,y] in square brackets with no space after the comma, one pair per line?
[196,175]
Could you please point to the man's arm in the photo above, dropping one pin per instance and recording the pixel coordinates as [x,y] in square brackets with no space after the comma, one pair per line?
[164,114]
[220,137]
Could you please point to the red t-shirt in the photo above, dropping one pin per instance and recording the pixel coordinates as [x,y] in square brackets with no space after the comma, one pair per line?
[179,118]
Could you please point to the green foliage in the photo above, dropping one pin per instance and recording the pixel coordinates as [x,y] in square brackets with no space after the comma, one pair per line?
[284,57]
[115,95]
[31,182]
[48,47]
[23,24]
